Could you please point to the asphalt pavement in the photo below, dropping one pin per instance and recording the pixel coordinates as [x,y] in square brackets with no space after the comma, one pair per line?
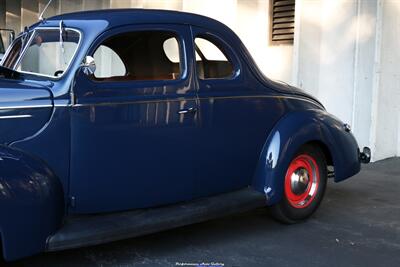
[357,224]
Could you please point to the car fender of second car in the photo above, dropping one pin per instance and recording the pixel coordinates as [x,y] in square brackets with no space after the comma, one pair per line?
[293,131]
[31,203]
[33,181]
[25,108]
[31,195]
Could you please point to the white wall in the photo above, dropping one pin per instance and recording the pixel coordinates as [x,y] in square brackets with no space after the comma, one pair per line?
[388,105]
[326,51]
[327,55]
[252,25]
[346,53]
[366,53]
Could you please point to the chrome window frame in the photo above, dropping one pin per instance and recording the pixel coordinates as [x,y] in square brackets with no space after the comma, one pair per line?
[29,43]
[11,46]
[183,61]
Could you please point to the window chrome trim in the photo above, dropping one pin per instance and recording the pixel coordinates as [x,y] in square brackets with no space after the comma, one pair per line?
[29,43]
[10,47]
[24,49]
[183,61]
[226,49]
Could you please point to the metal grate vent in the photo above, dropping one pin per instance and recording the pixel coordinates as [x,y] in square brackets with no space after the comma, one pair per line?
[282,21]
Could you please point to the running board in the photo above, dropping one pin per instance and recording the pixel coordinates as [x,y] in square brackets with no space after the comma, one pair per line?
[89,230]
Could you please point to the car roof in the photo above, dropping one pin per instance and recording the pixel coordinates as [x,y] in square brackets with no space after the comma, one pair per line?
[119,17]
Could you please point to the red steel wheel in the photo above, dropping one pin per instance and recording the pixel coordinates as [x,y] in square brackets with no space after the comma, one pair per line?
[302,181]
[304,185]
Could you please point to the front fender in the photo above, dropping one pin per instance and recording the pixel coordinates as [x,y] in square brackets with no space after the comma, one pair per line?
[31,203]
[293,131]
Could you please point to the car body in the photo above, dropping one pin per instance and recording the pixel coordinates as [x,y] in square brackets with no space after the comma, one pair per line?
[87,160]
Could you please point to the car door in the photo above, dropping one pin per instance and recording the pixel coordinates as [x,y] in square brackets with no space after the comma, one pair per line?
[133,121]
[236,115]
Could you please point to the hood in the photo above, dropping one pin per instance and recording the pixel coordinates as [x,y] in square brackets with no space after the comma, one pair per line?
[25,107]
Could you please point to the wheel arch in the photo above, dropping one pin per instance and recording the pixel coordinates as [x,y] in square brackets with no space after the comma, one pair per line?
[293,131]
[325,150]
[29,192]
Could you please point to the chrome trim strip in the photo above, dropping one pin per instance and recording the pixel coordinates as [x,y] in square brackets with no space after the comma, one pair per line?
[15,117]
[132,102]
[2,107]
[62,103]
[193,98]
[66,104]
[38,132]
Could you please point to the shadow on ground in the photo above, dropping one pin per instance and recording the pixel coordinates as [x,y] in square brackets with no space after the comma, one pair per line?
[358,224]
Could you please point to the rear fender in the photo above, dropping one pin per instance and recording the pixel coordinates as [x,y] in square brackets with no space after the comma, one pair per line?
[289,135]
[31,203]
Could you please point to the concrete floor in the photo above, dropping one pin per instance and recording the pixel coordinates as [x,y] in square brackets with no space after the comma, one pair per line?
[358,224]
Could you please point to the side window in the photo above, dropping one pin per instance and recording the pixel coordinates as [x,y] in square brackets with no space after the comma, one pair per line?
[138,56]
[108,63]
[211,61]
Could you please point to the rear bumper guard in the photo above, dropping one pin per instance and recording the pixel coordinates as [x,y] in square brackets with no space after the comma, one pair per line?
[365,155]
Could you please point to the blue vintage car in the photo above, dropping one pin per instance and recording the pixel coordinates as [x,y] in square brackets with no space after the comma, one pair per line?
[120,123]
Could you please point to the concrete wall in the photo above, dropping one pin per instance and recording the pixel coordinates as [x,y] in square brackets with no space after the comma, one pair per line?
[387,134]
[335,59]
[346,53]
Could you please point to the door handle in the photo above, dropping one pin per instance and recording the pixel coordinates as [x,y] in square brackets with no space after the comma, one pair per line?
[187,110]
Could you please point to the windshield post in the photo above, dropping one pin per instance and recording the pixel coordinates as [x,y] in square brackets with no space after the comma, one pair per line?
[61,29]
[24,38]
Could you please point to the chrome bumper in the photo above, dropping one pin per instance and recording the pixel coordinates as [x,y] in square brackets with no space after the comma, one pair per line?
[365,155]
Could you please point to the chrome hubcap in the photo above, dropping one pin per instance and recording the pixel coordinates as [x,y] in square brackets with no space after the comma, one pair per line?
[299,181]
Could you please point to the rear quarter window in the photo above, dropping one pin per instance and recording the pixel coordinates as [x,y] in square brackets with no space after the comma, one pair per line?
[211,60]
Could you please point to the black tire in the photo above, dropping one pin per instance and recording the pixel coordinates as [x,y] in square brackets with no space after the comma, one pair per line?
[284,211]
